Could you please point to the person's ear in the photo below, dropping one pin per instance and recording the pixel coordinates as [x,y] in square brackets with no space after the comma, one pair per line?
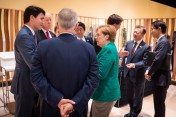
[31,18]
[107,37]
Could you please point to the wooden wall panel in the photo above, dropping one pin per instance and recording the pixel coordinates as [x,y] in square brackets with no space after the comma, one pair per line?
[172,30]
[167,23]
[22,19]
[16,21]
[174,68]
[6,31]
[12,31]
[1,40]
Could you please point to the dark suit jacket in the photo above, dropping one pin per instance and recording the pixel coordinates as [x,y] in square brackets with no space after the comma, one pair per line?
[89,39]
[97,48]
[24,50]
[139,59]
[160,77]
[41,36]
[64,67]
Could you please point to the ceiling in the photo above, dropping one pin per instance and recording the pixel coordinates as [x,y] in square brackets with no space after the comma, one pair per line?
[171,3]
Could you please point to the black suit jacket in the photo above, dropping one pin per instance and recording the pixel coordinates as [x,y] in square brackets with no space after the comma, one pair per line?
[41,36]
[139,58]
[160,77]
[89,39]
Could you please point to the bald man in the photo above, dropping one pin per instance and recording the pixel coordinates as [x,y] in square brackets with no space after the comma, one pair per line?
[45,32]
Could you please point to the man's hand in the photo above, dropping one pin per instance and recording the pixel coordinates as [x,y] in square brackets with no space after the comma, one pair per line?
[123,53]
[146,75]
[120,62]
[66,109]
[131,65]
[64,101]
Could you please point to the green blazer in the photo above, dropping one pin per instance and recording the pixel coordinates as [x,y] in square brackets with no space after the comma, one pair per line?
[108,89]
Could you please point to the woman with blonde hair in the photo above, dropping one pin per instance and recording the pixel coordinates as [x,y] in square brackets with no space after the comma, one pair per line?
[108,91]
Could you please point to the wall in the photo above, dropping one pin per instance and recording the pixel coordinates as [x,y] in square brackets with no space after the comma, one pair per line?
[99,8]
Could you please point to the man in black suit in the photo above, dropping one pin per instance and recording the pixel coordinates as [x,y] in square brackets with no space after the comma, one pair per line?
[80,30]
[25,45]
[161,79]
[135,69]
[45,32]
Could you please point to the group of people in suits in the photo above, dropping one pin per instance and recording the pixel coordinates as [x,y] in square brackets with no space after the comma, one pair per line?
[65,71]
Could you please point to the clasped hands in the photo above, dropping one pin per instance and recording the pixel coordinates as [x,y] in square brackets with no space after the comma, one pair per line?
[66,107]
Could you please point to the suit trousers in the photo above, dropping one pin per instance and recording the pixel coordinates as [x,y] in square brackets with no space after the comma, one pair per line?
[159,96]
[26,106]
[101,109]
[135,94]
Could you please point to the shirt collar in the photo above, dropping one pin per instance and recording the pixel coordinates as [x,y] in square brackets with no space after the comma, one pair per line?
[83,39]
[66,33]
[30,29]
[138,42]
[160,38]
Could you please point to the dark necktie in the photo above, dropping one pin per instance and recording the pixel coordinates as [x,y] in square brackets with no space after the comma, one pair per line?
[135,44]
[35,39]
[47,35]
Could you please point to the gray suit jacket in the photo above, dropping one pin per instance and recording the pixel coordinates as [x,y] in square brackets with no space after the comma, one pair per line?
[160,77]
[25,47]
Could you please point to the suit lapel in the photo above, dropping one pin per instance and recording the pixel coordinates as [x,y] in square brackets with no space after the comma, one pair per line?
[43,36]
[138,48]
[30,33]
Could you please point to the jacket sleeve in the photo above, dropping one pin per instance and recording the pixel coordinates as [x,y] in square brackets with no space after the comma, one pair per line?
[40,83]
[26,47]
[90,84]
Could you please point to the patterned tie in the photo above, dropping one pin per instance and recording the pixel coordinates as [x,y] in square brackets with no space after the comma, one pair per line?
[134,48]
[47,35]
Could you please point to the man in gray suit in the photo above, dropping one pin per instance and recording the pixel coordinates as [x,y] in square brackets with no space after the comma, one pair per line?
[25,45]
[45,32]
[161,79]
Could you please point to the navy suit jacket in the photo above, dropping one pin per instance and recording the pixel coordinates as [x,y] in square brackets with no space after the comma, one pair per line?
[41,36]
[65,67]
[89,39]
[25,47]
[160,77]
[139,58]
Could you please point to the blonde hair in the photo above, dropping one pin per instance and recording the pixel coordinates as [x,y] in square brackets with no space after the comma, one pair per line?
[108,30]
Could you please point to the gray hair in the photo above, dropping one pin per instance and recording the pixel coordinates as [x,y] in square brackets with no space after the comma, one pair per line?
[67,18]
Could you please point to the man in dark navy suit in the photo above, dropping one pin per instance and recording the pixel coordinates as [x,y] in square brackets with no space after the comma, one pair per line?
[80,30]
[25,45]
[161,79]
[45,32]
[65,71]
[135,69]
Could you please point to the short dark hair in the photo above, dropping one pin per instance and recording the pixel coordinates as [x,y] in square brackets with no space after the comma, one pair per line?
[139,26]
[159,23]
[32,10]
[114,19]
[82,25]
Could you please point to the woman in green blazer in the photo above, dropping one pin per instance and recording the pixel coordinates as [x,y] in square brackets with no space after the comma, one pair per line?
[108,91]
